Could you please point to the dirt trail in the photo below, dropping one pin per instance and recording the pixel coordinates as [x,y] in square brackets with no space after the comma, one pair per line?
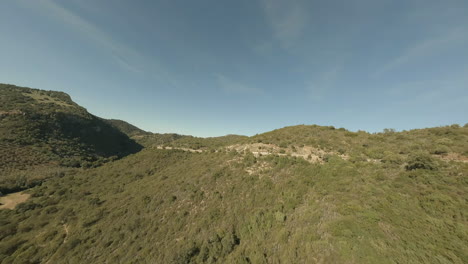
[184,149]
[10,201]
[65,228]
[65,239]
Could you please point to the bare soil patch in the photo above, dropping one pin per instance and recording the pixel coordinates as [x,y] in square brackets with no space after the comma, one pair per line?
[308,153]
[453,157]
[10,201]
[183,149]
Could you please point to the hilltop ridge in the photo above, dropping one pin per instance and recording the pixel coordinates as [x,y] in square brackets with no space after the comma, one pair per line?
[46,128]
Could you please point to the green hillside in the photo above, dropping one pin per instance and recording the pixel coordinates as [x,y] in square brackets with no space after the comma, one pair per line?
[301,194]
[46,129]
[445,142]
[184,141]
[173,206]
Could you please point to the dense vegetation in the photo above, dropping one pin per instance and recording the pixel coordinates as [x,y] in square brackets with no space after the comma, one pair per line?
[183,141]
[46,128]
[393,197]
[437,140]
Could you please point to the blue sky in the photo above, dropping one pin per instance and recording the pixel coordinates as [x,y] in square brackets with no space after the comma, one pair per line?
[210,68]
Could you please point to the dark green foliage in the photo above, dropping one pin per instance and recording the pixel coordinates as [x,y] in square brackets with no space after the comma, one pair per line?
[421,161]
[205,208]
[155,139]
[46,128]
[441,149]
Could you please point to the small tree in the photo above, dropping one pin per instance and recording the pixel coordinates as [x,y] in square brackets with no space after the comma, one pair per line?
[421,161]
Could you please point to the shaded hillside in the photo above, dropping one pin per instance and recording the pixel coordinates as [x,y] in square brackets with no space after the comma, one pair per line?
[239,205]
[183,141]
[46,128]
[144,138]
[149,139]
[129,129]
[156,139]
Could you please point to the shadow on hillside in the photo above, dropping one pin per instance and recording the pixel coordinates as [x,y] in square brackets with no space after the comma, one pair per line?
[104,139]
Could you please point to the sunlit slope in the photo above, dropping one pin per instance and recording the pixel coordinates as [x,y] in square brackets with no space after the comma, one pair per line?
[173,206]
[437,140]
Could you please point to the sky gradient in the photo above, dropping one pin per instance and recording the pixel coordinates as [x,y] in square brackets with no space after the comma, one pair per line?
[210,68]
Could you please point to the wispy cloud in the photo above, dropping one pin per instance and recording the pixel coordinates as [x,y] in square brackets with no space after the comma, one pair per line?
[126,65]
[324,82]
[233,87]
[287,19]
[426,48]
[124,56]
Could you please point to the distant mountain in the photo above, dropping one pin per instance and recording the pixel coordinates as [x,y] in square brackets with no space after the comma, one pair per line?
[46,128]
[144,138]
[149,139]
[209,143]
[129,129]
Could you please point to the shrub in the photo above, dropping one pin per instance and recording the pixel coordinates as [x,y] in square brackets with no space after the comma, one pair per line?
[356,157]
[7,230]
[249,159]
[11,246]
[421,161]
[280,217]
[392,158]
[73,243]
[374,153]
[441,149]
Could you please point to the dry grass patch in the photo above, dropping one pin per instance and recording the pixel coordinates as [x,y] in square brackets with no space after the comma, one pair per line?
[258,168]
[10,201]
[453,157]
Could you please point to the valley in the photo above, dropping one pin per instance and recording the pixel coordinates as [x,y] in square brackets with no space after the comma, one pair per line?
[78,188]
